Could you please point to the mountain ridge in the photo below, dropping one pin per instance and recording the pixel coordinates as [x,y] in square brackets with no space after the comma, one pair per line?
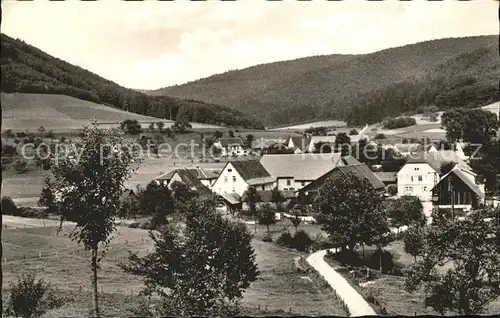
[314,87]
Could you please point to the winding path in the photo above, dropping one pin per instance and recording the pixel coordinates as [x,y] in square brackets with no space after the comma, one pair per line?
[355,302]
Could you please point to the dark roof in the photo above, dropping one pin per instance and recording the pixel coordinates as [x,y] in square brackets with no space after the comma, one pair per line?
[301,142]
[386,176]
[190,178]
[232,198]
[349,161]
[437,159]
[201,173]
[461,175]
[230,141]
[252,170]
[360,170]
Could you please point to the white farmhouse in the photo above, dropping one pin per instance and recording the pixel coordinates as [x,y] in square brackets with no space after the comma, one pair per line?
[417,178]
[237,176]
[231,147]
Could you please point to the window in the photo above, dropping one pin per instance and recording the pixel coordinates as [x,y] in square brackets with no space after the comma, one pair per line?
[420,178]
[263,188]
[229,170]
[234,178]
[234,190]
[225,178]
[303,183]
[425,188]
[411,178]
[288,182]
[416,169]
[408,189]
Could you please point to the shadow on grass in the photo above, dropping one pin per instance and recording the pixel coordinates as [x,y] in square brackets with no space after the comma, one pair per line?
[373,259]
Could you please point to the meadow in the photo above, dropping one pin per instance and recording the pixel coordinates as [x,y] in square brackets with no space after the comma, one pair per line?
[279,290]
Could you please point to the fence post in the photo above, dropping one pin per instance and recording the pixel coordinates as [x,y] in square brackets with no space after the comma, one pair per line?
[39,254]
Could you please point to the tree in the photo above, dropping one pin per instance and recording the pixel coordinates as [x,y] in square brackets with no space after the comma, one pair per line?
[152,127]
[267,216]
[406,210]
[342,143]
[182,194]
[231,134]
[380,136]
[414,241]
[296,220]
[248,140]
[392,189]
[89,189]
[218,134]
[472,125]
[446,167]
[8,206]
[201,270]
[160,126]
[131,126]
[9,134]
[181,125]
[353,132]
[20,165]
[41,131]
[471,245]
[29,298]
[277,198]
[322,147]
[156,200]
[350,210]
[252,197]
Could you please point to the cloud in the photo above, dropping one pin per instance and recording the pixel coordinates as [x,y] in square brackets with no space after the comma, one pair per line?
[153,44]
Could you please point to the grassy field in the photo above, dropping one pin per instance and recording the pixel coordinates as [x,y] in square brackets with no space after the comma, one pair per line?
[279,289]
[62,113]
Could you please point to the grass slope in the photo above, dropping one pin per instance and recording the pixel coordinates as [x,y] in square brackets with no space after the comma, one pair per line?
[308,88]
[21,111]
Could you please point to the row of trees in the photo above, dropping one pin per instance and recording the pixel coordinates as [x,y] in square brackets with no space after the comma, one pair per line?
[478,128]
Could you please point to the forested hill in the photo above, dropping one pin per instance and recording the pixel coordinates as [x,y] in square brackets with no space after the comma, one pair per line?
[27,69]
[358,88]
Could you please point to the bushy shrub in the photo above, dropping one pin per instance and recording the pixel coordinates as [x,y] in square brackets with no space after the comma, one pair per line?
[30,298]
[27,212]
[380,136]
[392,189]
[20,165]
[285,239]
[267,238]
[145,225]
[399,122]
[301,241]
[8,206]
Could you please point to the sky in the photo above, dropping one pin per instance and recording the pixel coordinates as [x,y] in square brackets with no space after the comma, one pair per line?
[153,44]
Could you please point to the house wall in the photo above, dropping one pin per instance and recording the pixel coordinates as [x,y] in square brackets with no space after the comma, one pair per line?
[206,182]
[175,178]
[282,183]
[229,181]
[417,179]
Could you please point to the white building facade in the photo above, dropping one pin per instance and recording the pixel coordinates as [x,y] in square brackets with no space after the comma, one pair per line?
[417,179]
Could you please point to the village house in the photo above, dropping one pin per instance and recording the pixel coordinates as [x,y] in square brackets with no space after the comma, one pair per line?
[231,146]
[299,144]
[330,140]
[360,170]
[407,149]
[458,190]
[190,178]
[237,176]
[261,144]
[206,177]
[417,178]
[421,172]
[361,135]
[294,171]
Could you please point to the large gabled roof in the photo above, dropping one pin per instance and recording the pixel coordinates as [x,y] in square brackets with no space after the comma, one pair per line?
[463,177]
[252,172]
[201,173]
[438,158]
[190,178]
[305,166]
[361,170]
